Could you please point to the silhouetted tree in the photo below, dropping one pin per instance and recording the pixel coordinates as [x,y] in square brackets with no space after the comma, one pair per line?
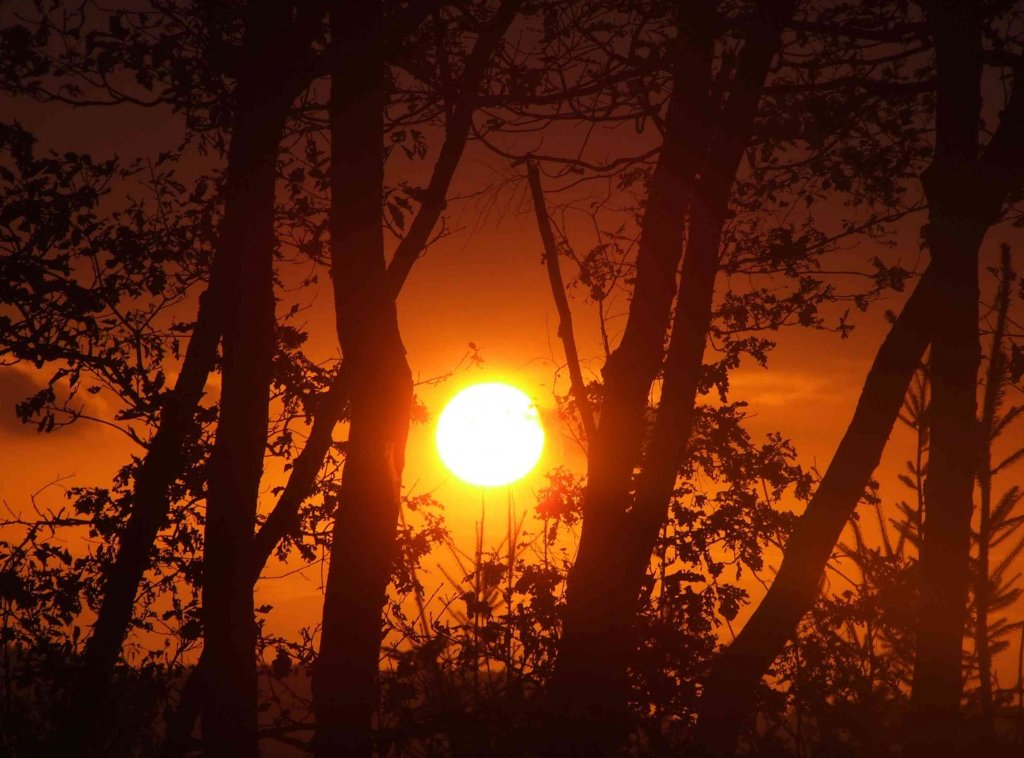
[730,684]
[998,519]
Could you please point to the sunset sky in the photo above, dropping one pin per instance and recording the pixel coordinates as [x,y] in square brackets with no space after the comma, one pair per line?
[484,284]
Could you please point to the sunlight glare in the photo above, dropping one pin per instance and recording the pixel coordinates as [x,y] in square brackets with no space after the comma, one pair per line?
[490,435]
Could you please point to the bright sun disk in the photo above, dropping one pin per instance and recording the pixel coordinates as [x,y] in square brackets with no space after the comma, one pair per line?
[490,435]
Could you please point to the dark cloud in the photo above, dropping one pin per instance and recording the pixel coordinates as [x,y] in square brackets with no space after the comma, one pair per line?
[15,386]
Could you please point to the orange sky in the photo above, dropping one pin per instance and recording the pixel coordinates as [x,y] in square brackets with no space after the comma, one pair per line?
[485,284]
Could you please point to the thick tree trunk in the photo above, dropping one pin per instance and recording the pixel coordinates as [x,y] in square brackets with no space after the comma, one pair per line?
[729,689]
[949,489]
[602,592]
[953,236]
[363,549]
[684,361]
[283,517]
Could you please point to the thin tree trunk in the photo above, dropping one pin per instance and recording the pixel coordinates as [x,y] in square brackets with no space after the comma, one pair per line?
[248,340]
[995,377]
[729,688]
[363,549]
[165,458]
[162,464]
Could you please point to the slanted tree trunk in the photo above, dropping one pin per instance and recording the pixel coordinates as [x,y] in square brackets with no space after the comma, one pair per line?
[565,330]
[150,503]
[685,358]
[972,202]
[165,458]
[380,392]
[729,688]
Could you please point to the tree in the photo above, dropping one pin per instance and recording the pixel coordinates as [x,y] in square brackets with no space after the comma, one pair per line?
[998,519]
[380,399]
[615,547]
[247,320]
[954,234]
[729,686]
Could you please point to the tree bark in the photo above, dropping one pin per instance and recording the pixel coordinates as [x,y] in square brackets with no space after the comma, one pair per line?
[363,549]
[165,457]
[685,358]
[960,211]
[283,518]
[150,499]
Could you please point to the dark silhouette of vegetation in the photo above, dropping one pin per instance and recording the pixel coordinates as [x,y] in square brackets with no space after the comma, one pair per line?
[705,182]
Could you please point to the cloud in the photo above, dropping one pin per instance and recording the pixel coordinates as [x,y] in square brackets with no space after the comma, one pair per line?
[15,386]
[782,388]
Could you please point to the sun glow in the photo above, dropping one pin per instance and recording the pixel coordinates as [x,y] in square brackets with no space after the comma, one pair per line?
[490,435]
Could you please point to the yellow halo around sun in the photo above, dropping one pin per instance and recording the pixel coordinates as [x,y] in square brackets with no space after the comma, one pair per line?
[490,435]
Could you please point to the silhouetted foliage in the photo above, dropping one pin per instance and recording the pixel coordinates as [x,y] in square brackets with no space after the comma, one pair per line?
[711,181]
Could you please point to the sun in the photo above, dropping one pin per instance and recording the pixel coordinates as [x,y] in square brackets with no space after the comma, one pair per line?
[490,435]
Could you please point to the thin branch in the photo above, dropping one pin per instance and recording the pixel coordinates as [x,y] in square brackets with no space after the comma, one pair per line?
[565,331]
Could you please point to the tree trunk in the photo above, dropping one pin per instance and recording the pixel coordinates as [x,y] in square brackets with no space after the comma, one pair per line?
[363,549]
[612,587]
[729,688]
[565,330]
[995,378]
[150,503]
[949,489]
[953,236]
[960,211]
[165,458]
[236,464]
[684,361]
[588,688]
[283,518]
